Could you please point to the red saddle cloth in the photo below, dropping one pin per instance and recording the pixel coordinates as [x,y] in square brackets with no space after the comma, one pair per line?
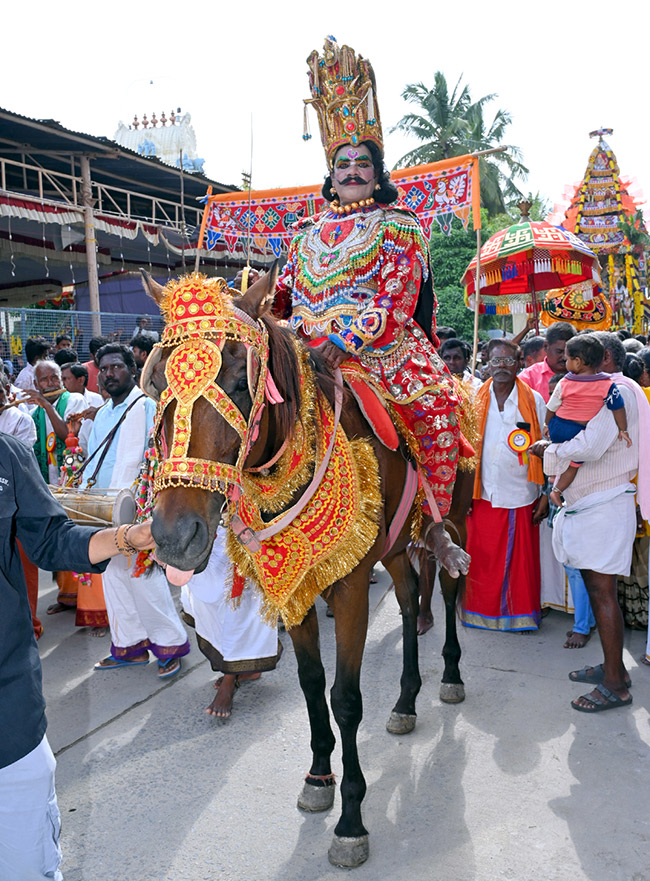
[374,409]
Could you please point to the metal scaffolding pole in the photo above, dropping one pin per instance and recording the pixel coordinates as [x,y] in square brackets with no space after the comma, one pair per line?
[91,244]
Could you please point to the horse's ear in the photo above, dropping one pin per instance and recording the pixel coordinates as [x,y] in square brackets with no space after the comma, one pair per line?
[259,297]
[151,286]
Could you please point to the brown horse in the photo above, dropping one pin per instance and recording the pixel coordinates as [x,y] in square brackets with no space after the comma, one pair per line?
[186,519]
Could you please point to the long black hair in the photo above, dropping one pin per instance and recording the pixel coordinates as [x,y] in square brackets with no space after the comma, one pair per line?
[387,192]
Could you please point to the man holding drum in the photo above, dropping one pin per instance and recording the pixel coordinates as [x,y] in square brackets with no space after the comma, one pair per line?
[141,611]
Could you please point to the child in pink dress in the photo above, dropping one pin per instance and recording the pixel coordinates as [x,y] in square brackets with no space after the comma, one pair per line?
[578,397]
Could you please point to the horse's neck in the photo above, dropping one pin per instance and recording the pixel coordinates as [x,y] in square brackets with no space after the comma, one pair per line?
[268,443]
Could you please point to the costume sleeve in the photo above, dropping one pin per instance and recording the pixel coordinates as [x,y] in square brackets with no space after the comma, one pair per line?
[614,399]
[555,401]
[50,539]
[404,267]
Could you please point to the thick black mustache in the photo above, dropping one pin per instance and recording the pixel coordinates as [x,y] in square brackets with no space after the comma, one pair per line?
[355,179]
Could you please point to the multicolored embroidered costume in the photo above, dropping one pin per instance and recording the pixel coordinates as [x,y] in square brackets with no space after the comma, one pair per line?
[355,280]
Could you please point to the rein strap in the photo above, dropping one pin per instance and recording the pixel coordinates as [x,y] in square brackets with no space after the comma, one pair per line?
[252,539]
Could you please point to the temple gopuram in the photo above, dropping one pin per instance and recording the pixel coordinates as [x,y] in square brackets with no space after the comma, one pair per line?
[607,218]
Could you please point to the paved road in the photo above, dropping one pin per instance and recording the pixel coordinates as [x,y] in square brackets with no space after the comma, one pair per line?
[512,784]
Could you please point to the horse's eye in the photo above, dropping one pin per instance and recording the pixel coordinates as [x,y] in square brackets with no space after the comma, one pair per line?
[242,385]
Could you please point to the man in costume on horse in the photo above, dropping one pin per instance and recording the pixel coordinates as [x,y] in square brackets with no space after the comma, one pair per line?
[358,281]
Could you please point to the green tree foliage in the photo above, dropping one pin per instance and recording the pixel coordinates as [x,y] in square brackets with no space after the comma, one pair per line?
[453,125]
[450,256]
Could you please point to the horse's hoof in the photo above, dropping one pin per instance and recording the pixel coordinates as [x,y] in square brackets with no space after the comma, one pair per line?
[316,798]
[348,852]
[452,692]
[400,723]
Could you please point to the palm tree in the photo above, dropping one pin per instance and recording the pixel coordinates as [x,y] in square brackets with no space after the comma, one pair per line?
[442,123]
[455,126]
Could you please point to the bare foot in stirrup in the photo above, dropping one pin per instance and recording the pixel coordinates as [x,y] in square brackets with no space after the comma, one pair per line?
[425,622]
[447,552]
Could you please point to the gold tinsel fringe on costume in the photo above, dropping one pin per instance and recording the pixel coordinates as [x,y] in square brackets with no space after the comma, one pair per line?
[358,543]
[468,423]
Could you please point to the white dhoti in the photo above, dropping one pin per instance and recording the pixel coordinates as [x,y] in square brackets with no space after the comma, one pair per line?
[556,591]
[597,532]
[234,638]
[141,613]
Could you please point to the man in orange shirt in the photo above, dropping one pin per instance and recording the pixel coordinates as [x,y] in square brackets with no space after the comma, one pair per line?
[91,366]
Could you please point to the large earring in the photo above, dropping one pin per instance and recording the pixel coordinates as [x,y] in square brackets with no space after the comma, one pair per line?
[377,187]
[333,191]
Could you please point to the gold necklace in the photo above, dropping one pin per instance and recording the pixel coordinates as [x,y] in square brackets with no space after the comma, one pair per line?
[337,208]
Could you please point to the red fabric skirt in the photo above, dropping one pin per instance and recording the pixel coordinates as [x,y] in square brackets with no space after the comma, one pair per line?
[503,585]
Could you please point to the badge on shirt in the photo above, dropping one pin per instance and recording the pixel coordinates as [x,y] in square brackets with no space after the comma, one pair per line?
[50,446]
[519,440]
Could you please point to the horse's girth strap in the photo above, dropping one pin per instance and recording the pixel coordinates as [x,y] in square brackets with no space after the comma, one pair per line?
[405,504]
[252,539]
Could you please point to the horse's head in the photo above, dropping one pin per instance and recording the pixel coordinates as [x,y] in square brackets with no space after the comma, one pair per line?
[209,375]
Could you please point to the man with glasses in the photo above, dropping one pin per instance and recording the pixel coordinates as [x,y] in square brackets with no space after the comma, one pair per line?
[503,585]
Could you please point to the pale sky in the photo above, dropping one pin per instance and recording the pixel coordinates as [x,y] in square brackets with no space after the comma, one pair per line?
[561,69]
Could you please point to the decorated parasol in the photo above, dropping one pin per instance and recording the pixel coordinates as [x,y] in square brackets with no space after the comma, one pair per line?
[527,259]
[583,305]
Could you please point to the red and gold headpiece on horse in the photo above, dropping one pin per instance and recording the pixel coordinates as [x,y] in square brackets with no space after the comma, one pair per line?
[200,317]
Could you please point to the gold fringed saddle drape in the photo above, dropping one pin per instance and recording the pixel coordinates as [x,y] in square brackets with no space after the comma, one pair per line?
[332,534]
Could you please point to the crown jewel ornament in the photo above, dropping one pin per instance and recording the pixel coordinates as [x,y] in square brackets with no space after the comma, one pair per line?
[343,91]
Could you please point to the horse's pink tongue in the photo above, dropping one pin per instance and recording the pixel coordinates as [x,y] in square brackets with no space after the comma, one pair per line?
[178,577]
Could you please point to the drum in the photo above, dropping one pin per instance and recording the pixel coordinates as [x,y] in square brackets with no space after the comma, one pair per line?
[106,508]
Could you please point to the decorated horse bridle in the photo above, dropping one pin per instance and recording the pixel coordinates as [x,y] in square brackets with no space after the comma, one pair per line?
[200,318]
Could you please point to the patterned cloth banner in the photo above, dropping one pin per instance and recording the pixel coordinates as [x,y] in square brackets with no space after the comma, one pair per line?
[440,191]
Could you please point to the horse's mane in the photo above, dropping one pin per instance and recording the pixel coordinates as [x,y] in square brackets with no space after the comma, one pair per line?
[283,364]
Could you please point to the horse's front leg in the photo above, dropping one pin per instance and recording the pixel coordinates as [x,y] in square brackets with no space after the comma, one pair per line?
[402,718]
[318,790]
[452,689]
[349,601]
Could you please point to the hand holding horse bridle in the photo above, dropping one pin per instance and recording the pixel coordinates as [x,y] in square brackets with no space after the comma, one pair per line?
[332,355]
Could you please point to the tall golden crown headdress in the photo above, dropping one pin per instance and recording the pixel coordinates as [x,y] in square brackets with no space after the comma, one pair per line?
[343,92]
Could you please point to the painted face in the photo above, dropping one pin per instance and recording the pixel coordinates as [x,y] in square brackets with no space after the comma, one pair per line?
[353,174]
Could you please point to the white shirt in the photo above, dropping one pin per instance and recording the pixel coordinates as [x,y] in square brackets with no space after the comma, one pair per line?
[75,404]
[504,482]
[472,381]
[92,399]
[18,424]
[25,378]
[608,461]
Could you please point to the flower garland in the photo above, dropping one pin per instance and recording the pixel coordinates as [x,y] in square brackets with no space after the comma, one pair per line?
[144,502]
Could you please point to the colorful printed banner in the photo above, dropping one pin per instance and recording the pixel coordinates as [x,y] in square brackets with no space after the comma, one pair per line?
[440,191]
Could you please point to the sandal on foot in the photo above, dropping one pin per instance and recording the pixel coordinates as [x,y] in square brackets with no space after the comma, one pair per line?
[111,663]
[609,700]
[593,675]
[168,668]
